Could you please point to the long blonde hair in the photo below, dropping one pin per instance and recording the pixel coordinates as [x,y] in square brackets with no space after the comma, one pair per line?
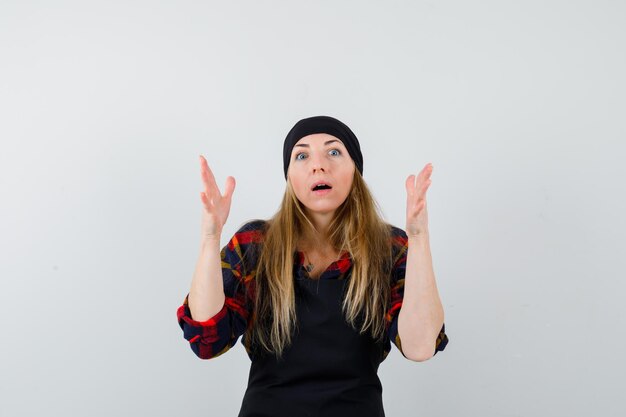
[356,227]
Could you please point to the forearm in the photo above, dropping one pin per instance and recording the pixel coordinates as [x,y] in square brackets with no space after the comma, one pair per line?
[421,315]
[206,296]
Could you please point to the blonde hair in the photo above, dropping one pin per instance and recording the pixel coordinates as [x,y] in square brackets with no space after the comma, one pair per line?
[356,227]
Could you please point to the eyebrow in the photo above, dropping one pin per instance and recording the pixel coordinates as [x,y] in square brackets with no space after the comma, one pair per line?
[304,145]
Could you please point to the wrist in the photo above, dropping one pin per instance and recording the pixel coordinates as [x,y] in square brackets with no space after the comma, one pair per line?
[419,237]
[210,241]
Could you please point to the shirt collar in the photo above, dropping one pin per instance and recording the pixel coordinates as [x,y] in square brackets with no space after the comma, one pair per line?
[335,270]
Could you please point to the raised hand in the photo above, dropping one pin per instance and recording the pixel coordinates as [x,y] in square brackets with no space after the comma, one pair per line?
[416,213]
[216,205]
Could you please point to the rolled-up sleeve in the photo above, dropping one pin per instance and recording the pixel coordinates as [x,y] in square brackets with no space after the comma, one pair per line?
[215,336]
[397,293]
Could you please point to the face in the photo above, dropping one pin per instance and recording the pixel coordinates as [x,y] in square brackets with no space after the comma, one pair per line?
[321,157]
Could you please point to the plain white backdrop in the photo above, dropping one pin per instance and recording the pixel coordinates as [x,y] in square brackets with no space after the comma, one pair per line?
[105,106]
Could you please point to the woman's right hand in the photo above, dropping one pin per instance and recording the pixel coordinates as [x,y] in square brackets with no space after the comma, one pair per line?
[216,206]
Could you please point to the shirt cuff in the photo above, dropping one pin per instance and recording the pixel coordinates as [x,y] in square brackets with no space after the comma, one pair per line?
[184,315]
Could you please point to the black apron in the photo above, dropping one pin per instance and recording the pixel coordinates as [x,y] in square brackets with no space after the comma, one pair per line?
[329,369]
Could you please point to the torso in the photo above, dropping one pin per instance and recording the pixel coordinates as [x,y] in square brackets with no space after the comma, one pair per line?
[330,369]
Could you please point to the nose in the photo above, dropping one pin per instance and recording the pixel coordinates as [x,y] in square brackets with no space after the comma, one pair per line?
[320,169]
[318,163]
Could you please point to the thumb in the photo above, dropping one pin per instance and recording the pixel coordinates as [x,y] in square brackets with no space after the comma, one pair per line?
[229,188]
[410,184]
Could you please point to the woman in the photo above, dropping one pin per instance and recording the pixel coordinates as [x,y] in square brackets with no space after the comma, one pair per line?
[316,290]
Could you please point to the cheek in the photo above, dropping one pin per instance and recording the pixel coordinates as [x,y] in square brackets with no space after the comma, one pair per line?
[297,186]
[348,178]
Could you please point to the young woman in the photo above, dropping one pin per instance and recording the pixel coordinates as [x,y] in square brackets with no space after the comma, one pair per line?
[319,290]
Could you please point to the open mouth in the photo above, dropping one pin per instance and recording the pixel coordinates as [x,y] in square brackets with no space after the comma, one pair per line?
[322,187]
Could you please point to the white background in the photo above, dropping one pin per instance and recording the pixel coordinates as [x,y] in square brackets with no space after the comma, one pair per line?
[105,106]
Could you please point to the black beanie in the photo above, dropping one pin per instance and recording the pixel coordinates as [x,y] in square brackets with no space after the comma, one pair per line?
[323,124]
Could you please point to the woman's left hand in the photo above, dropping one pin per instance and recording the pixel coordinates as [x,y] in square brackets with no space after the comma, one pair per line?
[416,213]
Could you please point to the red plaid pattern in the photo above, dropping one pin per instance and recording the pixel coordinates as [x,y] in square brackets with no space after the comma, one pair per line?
[215,336]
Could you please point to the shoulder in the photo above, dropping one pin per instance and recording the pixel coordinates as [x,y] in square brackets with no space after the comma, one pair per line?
[398,235]
[399,243]
[248,238]
[242,250]
[250,232]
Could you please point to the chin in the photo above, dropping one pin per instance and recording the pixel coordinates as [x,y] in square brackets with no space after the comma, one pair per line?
[322,210]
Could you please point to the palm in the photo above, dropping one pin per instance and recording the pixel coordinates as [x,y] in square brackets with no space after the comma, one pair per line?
[216,205]
[416,213]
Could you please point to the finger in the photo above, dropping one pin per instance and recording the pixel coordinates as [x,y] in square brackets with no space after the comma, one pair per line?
[426,171]
[418,186]
[410,185]
[424,175]
[229,187]
[208,179]
[205,201]
[422,190]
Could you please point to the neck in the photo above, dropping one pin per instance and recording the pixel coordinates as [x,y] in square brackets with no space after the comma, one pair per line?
[317,241]
[321,221]
[314,244]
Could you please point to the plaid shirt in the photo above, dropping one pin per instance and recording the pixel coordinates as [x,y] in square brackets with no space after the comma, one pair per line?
[215,336]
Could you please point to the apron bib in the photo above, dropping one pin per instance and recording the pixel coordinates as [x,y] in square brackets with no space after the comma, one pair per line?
[329,369]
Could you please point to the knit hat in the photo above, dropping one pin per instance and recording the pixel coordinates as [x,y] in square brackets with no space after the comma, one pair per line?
[323,124]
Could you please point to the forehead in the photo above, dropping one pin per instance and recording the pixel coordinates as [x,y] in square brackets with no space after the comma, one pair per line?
[318,139]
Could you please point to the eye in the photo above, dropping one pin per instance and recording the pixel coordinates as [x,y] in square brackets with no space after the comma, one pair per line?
[297,157]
